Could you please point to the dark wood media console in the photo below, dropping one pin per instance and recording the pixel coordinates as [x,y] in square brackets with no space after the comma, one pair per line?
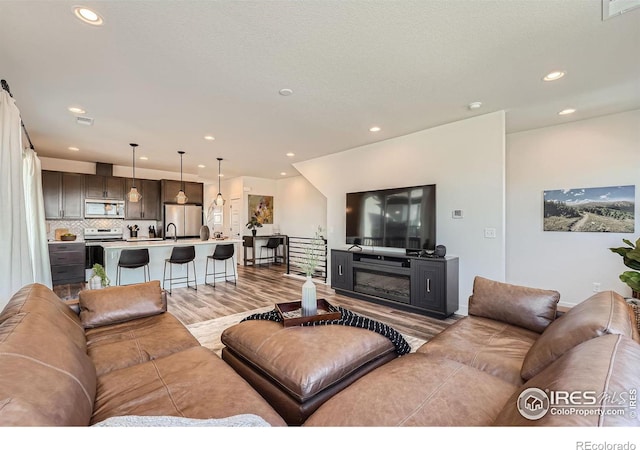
[423,285]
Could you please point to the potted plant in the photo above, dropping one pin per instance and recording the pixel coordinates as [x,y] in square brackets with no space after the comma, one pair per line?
[99,278]
[253,224]
[631,258]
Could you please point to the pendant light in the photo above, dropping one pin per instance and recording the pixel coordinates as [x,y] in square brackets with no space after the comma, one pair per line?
[134,196]
[181,198]
[219,200]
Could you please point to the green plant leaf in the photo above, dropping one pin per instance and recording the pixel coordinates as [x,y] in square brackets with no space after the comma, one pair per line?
[632,279]
[622,251]
[630,255]
[631,263]
[634,254]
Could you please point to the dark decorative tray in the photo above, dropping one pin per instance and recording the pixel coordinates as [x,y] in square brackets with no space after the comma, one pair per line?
[291,313]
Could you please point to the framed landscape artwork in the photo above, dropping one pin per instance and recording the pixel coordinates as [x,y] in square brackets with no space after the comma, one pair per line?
[261,206]
[605,209]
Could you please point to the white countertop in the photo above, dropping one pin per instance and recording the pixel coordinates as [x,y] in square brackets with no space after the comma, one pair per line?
[77,241]
[143,243]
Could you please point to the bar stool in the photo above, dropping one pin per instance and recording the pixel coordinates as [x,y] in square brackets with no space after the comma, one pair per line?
[222,252]
[180,256]
[272,244]
[134,259]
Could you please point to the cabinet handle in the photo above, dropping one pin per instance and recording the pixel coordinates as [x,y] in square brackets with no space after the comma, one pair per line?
[340,269]
[428,284]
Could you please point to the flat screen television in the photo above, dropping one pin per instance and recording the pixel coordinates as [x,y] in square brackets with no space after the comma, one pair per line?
[399,217]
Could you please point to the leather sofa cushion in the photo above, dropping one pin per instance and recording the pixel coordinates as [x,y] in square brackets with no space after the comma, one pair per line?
[39,299]
[608,365]
[100,307]
[305,360]
[417,390]
[488,345]
[602,313]
[530,308]
[192,383]
[46,378]
[122,345]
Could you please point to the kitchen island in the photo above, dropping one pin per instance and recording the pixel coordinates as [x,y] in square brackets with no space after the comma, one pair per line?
[159,251]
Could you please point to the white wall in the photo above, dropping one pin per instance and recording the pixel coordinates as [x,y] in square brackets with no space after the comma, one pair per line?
[465,159]
[591,153]
[301,207]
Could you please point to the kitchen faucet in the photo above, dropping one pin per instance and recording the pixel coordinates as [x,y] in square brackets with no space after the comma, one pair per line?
[175,231]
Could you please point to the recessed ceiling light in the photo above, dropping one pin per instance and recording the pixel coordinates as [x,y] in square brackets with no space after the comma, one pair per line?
[285,92]
[76,110]
[87,15]
[290,154]
[564,112]
[553,76]
[283,173]
[74,149]
[210,138]
[374,129]
[474,105]
[144,158]
[202,166]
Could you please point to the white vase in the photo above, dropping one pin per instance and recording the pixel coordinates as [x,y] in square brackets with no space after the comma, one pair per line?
[309,302]
[95,282]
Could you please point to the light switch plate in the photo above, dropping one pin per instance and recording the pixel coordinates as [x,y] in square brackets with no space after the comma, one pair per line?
[457,214]
[490,233]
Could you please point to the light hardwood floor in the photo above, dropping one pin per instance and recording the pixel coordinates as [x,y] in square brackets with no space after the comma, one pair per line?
[264,285]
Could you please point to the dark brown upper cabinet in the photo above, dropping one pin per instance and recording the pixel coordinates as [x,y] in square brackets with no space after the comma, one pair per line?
[63,195]
[107,187]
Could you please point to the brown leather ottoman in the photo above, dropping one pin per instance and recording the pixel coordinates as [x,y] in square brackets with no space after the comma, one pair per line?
[297,369]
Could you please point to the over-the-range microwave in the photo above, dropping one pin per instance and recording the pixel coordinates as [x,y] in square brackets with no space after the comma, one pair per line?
[100,209]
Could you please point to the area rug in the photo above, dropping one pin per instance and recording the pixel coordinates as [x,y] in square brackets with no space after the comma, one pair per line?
[208,332]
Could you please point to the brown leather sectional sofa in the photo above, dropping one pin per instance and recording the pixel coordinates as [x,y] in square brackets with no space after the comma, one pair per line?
[123,355]
[511,354]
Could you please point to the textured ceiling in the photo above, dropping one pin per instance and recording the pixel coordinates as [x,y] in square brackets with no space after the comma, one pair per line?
[164,74]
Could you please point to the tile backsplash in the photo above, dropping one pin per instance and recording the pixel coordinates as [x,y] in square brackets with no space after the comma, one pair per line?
[77,226]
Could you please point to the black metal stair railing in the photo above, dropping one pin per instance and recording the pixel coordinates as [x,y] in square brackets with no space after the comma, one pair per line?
[297,248]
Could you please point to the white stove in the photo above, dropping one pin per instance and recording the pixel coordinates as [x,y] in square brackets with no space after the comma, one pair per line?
[103,234]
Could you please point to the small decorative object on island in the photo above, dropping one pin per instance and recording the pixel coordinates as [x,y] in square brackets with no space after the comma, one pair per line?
[631,259]
[99,278]
[312,254]
[204,233]
[254,223]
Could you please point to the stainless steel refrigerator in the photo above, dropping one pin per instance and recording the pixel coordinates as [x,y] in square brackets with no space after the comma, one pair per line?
[186,218]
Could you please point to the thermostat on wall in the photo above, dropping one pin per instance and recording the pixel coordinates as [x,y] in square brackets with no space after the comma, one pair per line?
[456,214]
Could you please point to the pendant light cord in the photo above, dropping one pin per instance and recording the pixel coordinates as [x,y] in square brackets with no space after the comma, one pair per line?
[133,146]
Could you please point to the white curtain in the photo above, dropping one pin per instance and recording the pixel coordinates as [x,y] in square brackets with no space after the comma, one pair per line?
[15,258]
[36,224]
